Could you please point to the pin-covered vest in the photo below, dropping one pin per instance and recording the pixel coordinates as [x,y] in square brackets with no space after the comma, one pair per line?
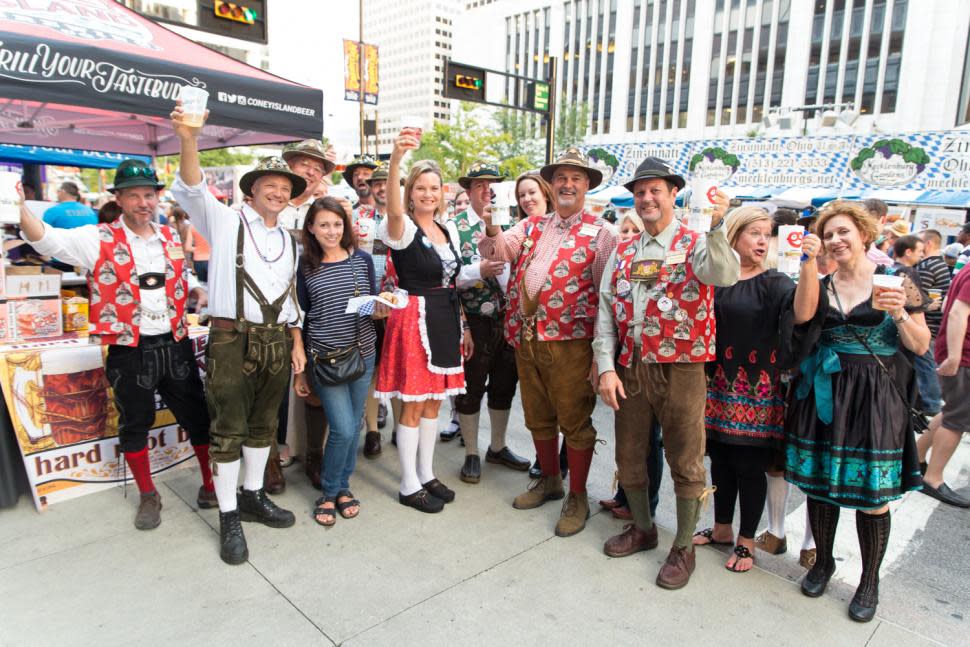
[115,314]
[485,298]
[678,324]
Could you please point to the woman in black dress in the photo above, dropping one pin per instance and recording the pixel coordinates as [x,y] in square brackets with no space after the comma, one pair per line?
[850,442]
[745,410]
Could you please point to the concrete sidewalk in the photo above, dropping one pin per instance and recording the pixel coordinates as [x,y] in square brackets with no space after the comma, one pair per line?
[480,573]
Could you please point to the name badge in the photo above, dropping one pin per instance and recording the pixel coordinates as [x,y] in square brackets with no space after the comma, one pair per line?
[176,253]
[675,258]
[645,270]
[589,230]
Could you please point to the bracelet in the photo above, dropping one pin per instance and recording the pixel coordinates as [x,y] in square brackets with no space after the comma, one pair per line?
[902,319]
[465,325]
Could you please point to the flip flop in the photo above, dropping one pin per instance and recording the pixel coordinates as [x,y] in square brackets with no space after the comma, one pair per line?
[343,505]
[329,512]
[708,534]
[742,552]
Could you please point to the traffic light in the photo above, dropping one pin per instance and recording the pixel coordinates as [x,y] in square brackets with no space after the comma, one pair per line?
[464,82]
[468,82]
[235,12]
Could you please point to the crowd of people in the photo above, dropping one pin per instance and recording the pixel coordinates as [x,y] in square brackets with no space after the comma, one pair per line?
[695,341]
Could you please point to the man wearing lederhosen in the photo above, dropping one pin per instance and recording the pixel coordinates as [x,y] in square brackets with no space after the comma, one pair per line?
[139,284]
[654,333]
[252,273]
[491,369]
[557,261]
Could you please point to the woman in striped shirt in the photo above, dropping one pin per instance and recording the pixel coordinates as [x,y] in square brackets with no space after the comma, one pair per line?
[332,271]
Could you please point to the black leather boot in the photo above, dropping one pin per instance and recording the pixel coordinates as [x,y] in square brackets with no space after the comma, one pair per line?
[873,531]
[232,541]
[256,506]
[824,519]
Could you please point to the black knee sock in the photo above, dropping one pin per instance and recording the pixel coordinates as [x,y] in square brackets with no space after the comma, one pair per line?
[824,519]
[873,532]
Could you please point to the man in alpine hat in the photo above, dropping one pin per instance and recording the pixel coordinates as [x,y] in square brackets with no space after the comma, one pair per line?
[253,328]
[655,330]
[139,285]
[491,369]
[557,261]
[357,173]
[312,160]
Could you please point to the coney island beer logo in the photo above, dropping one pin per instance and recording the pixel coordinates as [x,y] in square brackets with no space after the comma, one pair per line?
[96,20]
[44,64]
[889,162]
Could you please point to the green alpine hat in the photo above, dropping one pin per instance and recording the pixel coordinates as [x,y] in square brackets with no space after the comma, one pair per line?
[480,171]
[131,173]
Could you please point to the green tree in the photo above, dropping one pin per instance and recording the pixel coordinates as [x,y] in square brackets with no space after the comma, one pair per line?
[520,148]
[456,145]
[572,124]
[167,165]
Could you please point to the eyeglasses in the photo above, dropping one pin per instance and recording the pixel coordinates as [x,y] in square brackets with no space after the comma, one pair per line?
[138,171]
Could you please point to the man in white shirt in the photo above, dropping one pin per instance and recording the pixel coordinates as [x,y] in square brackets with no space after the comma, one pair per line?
[252,269]
[139,285]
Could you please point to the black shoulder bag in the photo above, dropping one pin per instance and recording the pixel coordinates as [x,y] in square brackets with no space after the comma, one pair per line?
[917,421]
[344,364]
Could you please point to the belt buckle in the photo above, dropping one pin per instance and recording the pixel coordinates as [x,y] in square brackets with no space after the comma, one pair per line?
[528,327]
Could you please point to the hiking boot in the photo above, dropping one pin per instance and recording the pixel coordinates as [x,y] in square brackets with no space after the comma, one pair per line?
[575,512]
[631,540]
[254,505]
[544,488]
[149,513]
[232,541]
[675,573]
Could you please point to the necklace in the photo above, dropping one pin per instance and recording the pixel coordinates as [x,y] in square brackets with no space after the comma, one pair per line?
[256,247]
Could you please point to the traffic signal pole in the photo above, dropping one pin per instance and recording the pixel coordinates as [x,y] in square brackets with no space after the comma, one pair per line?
[551,116]
[360,68]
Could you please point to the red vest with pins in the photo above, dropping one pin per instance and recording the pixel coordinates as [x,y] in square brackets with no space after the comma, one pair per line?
[685,332]
[568,299]
[115,314]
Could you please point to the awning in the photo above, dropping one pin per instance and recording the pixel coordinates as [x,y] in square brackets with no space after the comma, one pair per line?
[95,75]
[897,196]
[605,195]
[815,197]
[960,199]
[63,156]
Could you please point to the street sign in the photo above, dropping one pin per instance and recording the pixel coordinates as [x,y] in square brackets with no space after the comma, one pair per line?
[538,96]
[464,82]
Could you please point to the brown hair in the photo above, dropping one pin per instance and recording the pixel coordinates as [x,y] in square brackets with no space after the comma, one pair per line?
[312,251]
[864,222]
[544,189]
[418,169]
[109,212]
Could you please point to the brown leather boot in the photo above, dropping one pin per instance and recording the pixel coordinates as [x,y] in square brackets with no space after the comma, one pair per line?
[631,540]
[675,573]
[273,480]
[544,488]
[575,512]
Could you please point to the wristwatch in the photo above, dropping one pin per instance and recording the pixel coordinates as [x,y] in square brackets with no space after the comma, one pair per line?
[902,319]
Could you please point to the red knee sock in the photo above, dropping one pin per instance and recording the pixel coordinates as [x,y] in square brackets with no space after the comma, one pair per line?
[202,453]
[579,462]
[548,454]
[141,470]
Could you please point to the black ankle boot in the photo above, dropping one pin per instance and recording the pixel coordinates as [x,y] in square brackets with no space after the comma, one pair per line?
[824,519]
[873,531]
[254,505]
[233,549]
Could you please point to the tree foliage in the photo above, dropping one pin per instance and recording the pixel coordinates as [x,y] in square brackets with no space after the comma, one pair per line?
[572,124]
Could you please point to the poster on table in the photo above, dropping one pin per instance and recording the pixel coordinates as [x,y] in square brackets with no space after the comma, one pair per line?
[63,416]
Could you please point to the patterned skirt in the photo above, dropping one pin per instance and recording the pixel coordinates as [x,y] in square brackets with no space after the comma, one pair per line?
[867,456]
[405,370]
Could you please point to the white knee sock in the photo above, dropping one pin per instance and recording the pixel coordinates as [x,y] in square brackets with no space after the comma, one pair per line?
[469,431]
[777,500]
[407,452]
[226,481]
[428,436]
[498,419]
[808,542]
[255,459]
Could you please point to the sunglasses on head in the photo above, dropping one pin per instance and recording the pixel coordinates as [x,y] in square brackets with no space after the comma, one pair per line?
[138,171]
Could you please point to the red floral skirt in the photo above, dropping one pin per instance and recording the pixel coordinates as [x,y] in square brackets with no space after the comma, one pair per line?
[405,371]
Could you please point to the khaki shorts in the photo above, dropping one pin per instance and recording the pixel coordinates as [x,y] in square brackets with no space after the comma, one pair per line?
[956,404]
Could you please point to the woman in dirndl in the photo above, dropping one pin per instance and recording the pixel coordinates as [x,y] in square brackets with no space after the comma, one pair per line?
[850,440]
[424,346]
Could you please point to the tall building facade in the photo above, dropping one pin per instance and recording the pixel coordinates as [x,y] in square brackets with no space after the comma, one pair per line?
[414,39]
[687,69]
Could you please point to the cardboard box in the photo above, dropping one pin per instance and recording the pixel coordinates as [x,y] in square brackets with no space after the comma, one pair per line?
[75,310]
[28,281]
[36,318]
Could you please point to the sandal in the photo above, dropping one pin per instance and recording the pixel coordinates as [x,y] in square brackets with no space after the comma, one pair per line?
[286,462]
[708,534]
[741,552]
[320,511]
[343,505]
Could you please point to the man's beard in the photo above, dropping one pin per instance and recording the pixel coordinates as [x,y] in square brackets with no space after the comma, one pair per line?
[363,191]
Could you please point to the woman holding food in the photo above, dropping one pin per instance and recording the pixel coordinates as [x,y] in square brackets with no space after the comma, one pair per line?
[330,273]
[849,436]
[422,358]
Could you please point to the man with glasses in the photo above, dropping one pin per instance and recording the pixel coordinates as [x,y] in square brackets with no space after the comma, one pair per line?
[312,161]
[139,287]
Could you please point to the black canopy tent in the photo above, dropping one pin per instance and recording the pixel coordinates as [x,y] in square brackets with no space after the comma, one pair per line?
[94,75]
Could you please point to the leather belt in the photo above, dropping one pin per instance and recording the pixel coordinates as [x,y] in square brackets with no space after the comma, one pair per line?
[225,323]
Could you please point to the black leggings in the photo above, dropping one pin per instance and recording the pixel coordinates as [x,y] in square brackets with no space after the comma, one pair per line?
[738,472]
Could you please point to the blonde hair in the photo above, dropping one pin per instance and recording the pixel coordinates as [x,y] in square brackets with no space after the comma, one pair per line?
[867,225]
[418,169]
[633,217]
[740,218]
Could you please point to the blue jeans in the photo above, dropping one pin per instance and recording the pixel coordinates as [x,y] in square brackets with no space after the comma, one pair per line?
[929,382]
[344,405]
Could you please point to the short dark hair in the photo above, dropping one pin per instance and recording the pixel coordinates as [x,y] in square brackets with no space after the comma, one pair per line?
[109,212]
[876,207]
[71,189]
[904,244]
[933,234]
[781,217]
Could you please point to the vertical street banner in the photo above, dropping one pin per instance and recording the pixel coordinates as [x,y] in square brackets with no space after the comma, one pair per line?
[63,415]
[371,78]
[353,84]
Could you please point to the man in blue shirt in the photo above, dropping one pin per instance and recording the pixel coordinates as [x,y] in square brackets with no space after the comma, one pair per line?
[69,212]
